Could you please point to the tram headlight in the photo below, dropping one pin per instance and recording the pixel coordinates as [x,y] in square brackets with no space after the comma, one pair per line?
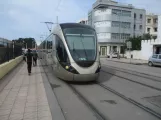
[69,68]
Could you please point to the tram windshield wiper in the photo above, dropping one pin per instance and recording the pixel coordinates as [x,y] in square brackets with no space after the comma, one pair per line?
[74,51]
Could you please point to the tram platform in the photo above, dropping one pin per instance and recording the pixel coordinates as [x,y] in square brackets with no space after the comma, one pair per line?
[24,97]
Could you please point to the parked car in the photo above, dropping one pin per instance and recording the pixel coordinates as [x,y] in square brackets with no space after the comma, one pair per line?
[155,60]
[114,55]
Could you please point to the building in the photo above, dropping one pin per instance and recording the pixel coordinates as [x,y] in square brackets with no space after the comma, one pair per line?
[152,24]
[83,21]
[148,47]
[114,23]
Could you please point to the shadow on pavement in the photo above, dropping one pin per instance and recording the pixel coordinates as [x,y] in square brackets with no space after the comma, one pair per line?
[81,83]
[104,75]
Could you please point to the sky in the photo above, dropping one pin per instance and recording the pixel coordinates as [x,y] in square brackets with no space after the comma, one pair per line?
[23,18]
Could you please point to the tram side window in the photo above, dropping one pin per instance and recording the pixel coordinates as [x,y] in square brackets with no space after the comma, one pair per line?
[61,51]
[49,43]
[53,42]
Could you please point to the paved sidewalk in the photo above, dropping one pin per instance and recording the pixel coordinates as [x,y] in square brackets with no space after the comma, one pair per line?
[123,60]
[24,97]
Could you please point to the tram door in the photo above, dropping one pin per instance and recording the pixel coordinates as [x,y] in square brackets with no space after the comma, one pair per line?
[103,50]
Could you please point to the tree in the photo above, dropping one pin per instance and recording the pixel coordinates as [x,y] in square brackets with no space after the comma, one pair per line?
[154,37]
[136,42]
[147,36]
[29,41]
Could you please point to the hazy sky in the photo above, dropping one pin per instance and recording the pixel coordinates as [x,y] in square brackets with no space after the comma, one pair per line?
[22,18]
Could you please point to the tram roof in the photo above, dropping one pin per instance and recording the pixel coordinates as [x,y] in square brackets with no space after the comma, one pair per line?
[74,25]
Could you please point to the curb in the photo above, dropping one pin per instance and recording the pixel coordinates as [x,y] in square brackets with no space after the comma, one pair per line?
[128,63]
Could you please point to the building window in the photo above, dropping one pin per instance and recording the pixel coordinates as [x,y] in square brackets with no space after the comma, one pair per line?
[104,35]
[125,24]
[103,11]
[134,15]
[116,12]
[115,24]
[148,29]
[141,27]
[122,50]
[155,20]
[141,16]
[125,36]
[155,29]
[114,48]
[149,21]
[103,24]
[134,27]
[115,36]
[126,13]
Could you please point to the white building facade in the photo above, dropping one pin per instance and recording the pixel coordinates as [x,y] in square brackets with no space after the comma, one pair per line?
[152,24]
[148,47]
[115,23]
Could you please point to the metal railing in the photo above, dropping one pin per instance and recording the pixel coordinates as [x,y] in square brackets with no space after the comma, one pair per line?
[9,50]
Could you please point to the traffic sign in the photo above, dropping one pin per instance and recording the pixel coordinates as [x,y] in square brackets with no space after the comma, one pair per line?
[129,44]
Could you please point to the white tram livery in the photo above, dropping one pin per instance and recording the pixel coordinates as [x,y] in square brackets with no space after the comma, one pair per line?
[72,50]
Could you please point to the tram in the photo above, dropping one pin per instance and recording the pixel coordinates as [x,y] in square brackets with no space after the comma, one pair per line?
[72,51]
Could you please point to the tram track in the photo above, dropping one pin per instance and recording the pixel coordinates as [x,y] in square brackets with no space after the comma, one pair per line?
[139,74]
[130,100]
[99,115]
[125,78]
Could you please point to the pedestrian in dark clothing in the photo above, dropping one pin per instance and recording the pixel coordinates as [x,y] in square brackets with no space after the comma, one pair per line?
[29,61]
[35,56]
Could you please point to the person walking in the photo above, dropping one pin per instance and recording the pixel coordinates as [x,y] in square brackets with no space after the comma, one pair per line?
[29,61]
[35,56]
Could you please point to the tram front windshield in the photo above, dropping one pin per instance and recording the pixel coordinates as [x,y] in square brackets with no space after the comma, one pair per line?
[82,43]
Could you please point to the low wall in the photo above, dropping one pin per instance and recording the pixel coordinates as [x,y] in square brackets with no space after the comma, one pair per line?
[136,54]
[8,66]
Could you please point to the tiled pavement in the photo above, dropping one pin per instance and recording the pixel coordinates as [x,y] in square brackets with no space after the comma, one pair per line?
[24,97]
